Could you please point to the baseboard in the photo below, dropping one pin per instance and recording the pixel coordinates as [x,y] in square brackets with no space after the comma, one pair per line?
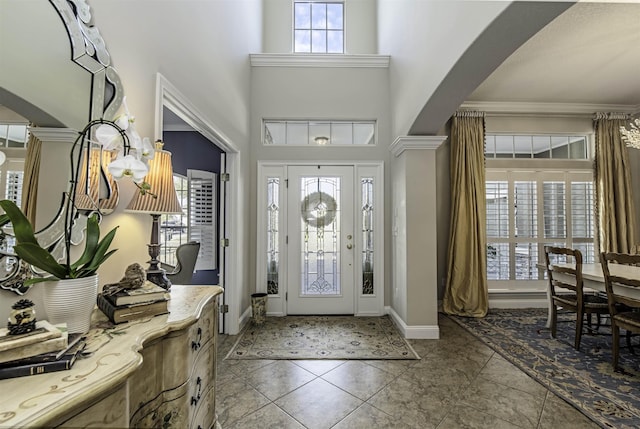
[518,299]
[244,318]
[415,332]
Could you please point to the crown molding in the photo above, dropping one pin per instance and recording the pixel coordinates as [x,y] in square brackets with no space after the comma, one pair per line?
[403,143]
[499,108]
[60,135]
[319,60]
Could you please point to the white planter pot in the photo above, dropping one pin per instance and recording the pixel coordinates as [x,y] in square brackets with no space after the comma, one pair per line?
[71,301]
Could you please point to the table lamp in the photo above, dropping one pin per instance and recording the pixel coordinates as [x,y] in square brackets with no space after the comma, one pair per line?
[162,199]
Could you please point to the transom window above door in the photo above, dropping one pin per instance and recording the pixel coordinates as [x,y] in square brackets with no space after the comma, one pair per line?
[537,146]
[318,27]
[319,133]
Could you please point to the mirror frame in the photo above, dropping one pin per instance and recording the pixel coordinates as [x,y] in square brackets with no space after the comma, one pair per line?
[89,51]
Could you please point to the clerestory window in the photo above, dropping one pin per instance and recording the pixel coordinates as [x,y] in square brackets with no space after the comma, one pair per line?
[318,27]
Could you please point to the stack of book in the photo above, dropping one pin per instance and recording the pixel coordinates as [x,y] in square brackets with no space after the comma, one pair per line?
[48,348]
[131,304]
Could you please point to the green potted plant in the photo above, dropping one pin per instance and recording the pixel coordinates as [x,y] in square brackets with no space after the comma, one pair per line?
[28,249]
[72,285]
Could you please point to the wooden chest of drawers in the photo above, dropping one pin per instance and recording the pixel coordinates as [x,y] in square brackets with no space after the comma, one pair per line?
[157,372]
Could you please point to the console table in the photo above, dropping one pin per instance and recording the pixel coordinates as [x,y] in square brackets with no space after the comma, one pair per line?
[152,372]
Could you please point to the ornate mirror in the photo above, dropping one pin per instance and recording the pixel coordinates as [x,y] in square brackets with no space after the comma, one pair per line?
[39,82]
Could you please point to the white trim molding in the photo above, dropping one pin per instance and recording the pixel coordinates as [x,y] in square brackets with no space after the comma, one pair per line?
[499,108]
[403,143]
[421,332]
[319,60]
[60,135]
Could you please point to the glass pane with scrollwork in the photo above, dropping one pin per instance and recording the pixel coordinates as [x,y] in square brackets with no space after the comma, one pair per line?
[320,235]
[273,251]
[367,235]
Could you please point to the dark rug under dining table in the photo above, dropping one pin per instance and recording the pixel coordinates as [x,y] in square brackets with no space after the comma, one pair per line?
[584,378]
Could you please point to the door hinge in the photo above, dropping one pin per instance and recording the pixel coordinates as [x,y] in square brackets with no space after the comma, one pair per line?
[286,183]
[224,308]
[224,242]
[286,296]
[224,177]
[286,239]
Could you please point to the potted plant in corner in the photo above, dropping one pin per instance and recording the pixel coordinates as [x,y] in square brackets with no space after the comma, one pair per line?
[71,287]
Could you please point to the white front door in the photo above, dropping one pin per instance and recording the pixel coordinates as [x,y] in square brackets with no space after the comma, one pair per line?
[320,233]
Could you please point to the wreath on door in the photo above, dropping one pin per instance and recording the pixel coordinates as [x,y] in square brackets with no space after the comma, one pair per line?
[318,209]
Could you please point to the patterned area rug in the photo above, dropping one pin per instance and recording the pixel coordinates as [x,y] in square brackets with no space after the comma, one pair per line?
[583,378]
[322,337]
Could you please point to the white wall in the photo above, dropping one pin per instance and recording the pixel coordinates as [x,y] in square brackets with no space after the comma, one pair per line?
[202,48]
[360,26]
[440,33]
[319,93]
[36,65]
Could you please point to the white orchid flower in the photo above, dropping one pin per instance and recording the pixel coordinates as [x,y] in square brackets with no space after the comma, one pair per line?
[122,121]
[147,151]
[135,141]
[128,166]
[109,137]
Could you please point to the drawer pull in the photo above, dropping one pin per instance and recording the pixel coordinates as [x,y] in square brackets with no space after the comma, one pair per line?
[195,399]
[195,345]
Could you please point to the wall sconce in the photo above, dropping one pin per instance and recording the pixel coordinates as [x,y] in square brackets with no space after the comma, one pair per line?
[321,140]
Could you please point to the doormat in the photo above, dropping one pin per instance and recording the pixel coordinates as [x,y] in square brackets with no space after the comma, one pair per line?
[585,378]
[322,337]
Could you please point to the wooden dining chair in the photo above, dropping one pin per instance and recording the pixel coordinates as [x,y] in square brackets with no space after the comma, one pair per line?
[567,290]
[625,311]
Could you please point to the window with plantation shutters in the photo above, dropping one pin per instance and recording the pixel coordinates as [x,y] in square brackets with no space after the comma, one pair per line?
[202,216]
[527,210]
[539,191]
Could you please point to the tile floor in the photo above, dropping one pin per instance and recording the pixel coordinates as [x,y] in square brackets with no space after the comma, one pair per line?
[458,383]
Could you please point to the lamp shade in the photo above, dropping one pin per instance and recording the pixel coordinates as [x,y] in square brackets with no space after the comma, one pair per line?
[100,190]
[162,198]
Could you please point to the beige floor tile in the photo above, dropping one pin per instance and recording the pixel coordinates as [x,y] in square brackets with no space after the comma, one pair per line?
[235,400]
[515,406]
[320,366]
[411,403]
[318,404]
[359,379]
[368,417]
[396,367]
[278,378]
[463,417]
[458,383]
[268,417]
[557,413]
[500,371]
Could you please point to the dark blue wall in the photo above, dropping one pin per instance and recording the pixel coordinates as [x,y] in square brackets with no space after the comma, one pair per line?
[190,150]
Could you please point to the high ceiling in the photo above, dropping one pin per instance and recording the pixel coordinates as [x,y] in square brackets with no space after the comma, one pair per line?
[590,54]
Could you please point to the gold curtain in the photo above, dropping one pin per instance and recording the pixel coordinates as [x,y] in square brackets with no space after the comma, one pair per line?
[466,293]
[614,195]
[30,178]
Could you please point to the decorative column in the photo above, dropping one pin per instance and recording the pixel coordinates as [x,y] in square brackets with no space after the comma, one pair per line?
[414,291]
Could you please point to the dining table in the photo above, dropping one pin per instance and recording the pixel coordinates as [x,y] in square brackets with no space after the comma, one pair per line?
[593,280]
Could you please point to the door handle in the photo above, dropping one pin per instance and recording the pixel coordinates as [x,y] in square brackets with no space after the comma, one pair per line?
[349,246]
